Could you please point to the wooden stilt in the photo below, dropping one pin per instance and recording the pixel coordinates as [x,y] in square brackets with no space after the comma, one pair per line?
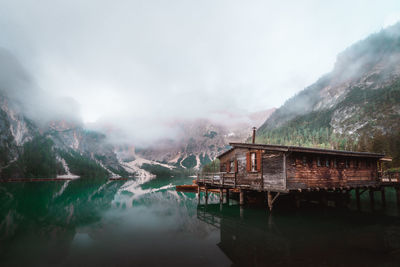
[221,195]
[383,197]
[371,197]
[227,196]
[206,195]
[241,197]
[198,195]
[398,196]
[358,198]
[269,197]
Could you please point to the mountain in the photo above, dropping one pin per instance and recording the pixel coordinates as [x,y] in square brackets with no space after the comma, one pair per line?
[200,141]
[41,137]
[354,107]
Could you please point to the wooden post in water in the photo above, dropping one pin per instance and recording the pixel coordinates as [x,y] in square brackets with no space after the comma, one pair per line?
[398,196]
[221,195]
[383,196]
[371,197]
[241,197]
[269,197]
[198,194]
[206,195]
[227,196]
[358,198]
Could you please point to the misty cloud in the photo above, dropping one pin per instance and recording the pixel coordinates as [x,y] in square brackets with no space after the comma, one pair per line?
[40,106]
[138,65]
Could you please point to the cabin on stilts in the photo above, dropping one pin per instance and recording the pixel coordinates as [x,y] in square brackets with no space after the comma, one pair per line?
[276,169]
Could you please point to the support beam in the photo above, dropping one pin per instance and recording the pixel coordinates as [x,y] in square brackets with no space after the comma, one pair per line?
[358,198]
[241,197]
[271,199]
[371,197]
[221,195]
[198,194]
[227,196]
[383,196]
[398,196]
[206,195]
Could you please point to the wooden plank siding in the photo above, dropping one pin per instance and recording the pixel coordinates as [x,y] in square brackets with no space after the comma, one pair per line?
[244,178]
[303,171]
[274,177]
[283,168]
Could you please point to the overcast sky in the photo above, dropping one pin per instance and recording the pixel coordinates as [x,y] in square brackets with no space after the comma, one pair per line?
[156,60]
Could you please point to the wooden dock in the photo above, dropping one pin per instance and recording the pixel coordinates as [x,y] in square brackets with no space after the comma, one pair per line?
[216,183]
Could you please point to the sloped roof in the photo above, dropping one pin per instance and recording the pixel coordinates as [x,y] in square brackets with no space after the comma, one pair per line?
[303,150]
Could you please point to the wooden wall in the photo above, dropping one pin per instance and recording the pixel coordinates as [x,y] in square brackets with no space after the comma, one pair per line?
[303,171]
[243,177]
[273,170]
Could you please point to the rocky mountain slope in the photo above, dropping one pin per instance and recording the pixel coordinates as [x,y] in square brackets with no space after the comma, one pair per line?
[353,107]
[200,141]
[38,140]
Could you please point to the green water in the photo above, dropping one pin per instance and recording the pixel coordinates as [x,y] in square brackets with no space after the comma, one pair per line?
[148,223]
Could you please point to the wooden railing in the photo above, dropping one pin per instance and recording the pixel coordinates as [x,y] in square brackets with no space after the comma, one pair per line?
[218,178]
[389,177]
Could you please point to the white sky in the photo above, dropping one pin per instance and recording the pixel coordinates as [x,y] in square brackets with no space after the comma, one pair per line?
[168,59]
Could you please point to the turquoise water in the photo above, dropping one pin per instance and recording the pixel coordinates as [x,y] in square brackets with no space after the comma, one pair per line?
[148,223]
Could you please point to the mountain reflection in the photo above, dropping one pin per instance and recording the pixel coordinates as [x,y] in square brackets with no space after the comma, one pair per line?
[253,237]
[131,223]
[40,219]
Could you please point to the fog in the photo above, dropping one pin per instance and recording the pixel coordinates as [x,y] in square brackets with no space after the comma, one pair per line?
[135,66]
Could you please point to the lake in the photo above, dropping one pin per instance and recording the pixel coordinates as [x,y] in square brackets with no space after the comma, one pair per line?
[139,222]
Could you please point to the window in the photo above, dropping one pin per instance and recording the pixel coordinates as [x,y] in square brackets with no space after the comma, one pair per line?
[347,163]
[335,163]
[327,163]
[232,166]
[368,164]
[253,162]
[319,162]
[304,160]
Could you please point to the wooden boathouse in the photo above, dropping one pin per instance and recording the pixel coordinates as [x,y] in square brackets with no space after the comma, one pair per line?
[280,170]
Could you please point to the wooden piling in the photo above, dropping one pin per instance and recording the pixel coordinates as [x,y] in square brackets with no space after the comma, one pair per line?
[227,196]
[269,197]
[398,196]
[206,195]
[383,197]
[371,197]
[241,197]
[358,198]
[198,195]
[221,195]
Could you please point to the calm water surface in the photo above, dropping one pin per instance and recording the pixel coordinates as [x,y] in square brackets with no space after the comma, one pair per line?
[148,223]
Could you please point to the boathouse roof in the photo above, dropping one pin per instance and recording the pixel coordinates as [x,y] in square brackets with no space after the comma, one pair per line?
[302,150]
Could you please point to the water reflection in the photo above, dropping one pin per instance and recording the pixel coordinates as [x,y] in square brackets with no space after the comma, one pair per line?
[309,237]
[148,223]
[103,223]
